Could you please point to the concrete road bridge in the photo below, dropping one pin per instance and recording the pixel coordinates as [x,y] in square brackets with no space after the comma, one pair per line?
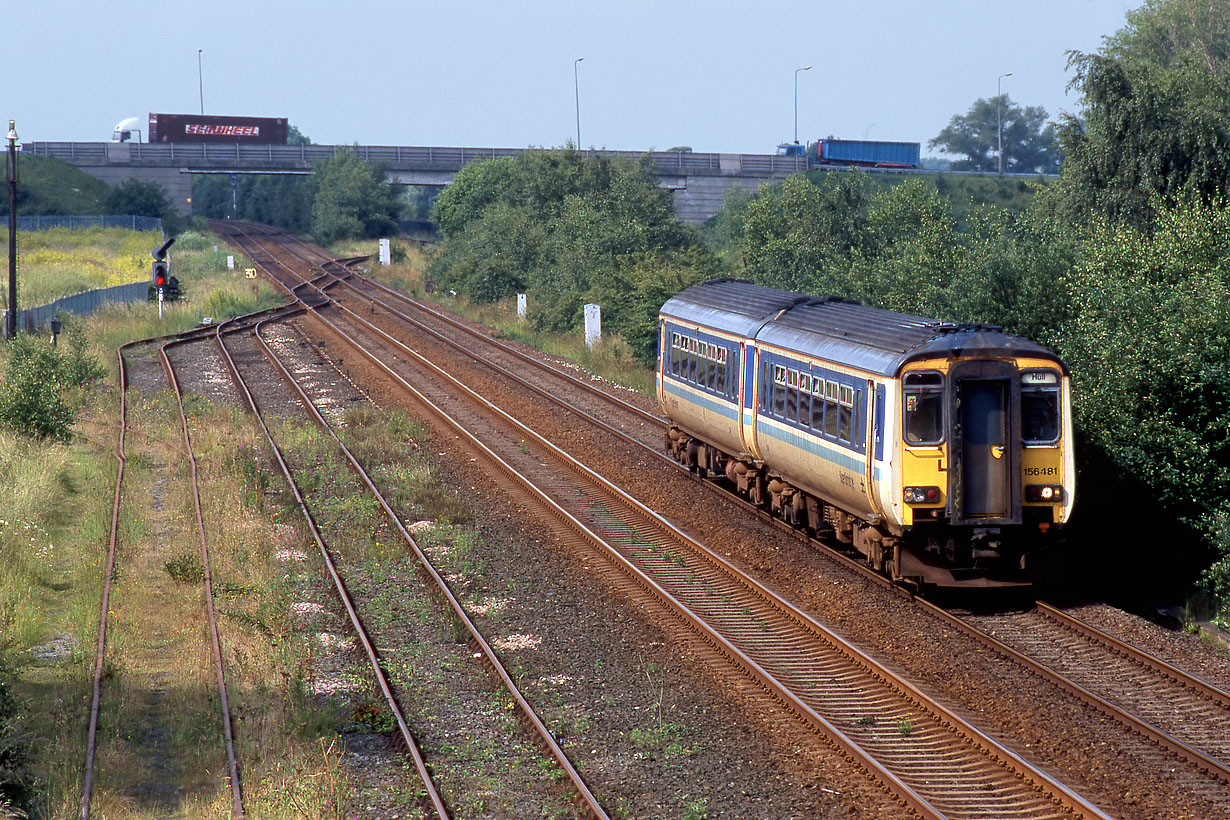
[699,182]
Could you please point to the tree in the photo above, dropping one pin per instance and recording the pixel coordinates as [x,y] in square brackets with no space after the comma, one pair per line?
[568,229]
[1029,141]
[143,198]
[296,137]
[1156,113]
[352,199]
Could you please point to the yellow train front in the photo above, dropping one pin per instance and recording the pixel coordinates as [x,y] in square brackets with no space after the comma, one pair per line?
[941,452]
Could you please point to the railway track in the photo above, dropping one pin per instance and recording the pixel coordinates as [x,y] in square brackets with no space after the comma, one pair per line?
[1144,713]
[929,757]
[164,344]
[1168,707]
[544,738]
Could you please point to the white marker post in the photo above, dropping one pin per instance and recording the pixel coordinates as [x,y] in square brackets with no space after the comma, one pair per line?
[230,263]
[386,253]
[593,326]
[521,306]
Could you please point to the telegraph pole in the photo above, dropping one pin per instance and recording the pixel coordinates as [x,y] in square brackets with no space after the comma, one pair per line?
[10,330]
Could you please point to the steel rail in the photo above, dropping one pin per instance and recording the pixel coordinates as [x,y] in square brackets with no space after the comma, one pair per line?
[904,792]
[1185,751]
[88,774]
[544,736]
[590,802]
[339,585]
[121,455]
[228,729]
[1194,756]
[1161,667]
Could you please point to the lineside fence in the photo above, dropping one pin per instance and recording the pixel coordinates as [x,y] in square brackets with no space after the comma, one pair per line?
[132,223]
[85,303]
[81,304]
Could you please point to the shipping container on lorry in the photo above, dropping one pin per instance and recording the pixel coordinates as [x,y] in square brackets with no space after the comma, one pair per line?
[865,153]
[214,128]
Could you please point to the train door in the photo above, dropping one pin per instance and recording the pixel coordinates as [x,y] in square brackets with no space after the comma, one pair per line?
[984,425]
[749,396]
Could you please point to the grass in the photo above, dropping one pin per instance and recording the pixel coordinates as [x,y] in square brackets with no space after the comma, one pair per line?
[60,262]
[54,520]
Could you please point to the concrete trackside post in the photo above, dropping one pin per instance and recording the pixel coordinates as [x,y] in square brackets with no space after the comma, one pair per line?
[386,253]
[593,326]
[521,306]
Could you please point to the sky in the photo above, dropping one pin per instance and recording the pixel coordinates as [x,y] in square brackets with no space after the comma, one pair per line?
[716,76]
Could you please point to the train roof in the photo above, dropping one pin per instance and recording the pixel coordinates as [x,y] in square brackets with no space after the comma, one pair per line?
[838,330]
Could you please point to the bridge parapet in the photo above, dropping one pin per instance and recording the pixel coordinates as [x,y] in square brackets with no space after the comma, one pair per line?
[395,156]
[698,180]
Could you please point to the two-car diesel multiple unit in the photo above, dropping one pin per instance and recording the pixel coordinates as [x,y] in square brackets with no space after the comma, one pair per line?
[941,452]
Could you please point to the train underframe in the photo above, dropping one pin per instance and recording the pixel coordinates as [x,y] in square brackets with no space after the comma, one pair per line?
[936,554]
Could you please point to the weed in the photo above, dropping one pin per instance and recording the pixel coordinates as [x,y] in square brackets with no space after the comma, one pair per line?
[867,720]
[185,569]
[905,726]
[695,809]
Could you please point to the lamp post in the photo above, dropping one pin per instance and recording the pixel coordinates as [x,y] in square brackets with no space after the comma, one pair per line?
[999,122]
[576,84]
[10,329]
[796,101]
[200,78]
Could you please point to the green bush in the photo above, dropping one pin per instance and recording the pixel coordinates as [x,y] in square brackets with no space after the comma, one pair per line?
[34,400]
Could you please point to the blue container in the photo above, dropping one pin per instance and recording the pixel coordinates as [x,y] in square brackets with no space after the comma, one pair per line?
[870,153]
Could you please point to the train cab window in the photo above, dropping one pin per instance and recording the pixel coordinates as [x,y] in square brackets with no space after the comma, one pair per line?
[831,392]
[923,416]
[1039,407]
[845,426]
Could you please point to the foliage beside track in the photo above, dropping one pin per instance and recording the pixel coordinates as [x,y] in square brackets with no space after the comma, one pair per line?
[567,229]
[1122,266]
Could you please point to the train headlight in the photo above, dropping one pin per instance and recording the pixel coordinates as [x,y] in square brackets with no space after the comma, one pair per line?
[1043,493]
[922,495]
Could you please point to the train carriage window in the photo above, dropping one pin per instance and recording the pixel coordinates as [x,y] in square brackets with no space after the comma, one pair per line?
[702,366]
[712,380]
[830,408]
[693,362]
[804,399]
[923,418]
[779,390]
[817,404]
[792,395]
[676,355]
[1039,407]
[845,430]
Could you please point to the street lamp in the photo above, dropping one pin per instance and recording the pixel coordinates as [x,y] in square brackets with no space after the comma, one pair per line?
[796,101]
[576,84]
[10,329]
[999,123]
[200,77]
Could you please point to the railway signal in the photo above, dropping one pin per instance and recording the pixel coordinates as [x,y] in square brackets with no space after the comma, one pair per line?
[161,273]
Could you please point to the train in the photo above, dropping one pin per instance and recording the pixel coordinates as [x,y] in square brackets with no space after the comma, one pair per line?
[856,153]
[941,453]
